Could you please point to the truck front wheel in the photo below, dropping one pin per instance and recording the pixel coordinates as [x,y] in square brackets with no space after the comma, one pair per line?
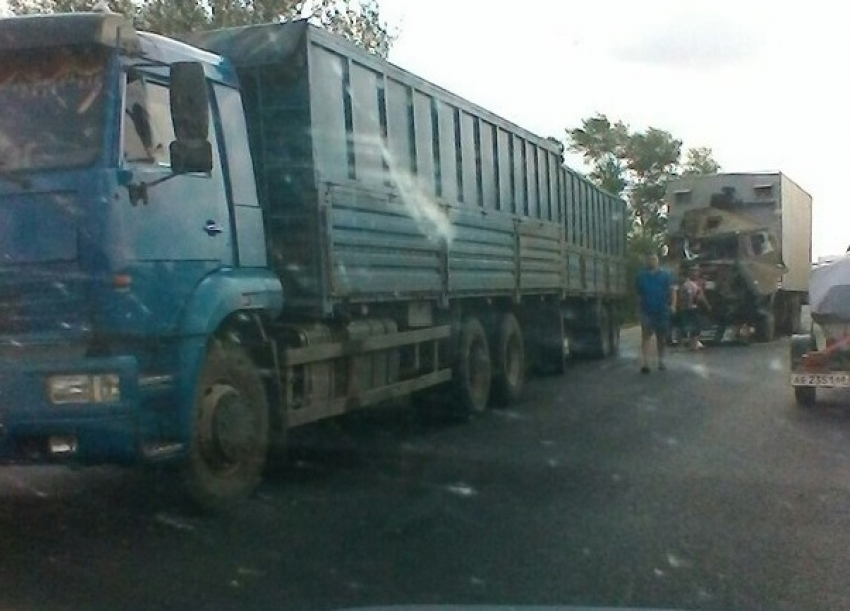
[230,429]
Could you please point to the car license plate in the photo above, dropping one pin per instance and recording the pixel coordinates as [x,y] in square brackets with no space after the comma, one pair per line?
[820,379]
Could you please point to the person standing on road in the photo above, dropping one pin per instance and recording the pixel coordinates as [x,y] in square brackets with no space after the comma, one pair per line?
[657,295]
[691,298]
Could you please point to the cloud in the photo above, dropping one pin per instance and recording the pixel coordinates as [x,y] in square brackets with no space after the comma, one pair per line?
[691,40]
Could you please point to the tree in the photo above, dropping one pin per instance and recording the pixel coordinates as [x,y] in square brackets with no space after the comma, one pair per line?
[26,7]
[700,161]
[637,165]
[652,157]
[603,146]
[357,20]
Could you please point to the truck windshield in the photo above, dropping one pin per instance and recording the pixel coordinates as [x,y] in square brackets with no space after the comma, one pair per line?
[53,105]
[725,247]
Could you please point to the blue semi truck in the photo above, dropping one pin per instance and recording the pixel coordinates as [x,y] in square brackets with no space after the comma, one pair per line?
[207,242]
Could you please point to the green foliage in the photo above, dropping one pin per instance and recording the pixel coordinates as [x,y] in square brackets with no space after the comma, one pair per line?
[700,161]
[26,7]
[603,146]
[357,20]
[637,165]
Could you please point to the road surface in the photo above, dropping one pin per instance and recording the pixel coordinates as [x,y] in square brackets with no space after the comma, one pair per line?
[702,487]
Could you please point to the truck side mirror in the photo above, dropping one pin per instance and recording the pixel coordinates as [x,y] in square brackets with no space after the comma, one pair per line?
[191,156]
[190,117]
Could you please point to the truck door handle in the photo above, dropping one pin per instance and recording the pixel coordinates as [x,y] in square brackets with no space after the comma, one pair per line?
[213,228]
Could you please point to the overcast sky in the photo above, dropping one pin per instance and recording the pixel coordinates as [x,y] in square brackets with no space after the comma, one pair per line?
[763,84]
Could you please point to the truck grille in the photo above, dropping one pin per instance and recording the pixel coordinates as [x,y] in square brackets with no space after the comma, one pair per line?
[42,300]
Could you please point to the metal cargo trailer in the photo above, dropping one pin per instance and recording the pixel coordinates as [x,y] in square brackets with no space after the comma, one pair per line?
[380,186]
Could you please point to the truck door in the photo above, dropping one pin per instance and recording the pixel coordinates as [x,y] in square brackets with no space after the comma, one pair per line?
[185,217]
[174,229]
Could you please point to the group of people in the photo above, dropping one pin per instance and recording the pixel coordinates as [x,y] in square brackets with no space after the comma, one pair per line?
[661,299]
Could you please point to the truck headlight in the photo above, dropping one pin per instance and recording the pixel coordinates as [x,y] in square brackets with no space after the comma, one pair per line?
[84,388]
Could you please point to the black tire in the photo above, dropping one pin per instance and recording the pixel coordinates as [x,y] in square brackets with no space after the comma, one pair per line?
[472,375]
[508,362]
[806,396]
[230,436]
[766,327]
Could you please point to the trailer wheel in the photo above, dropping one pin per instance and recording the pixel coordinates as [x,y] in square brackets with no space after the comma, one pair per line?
[806,396]
[230,435]
[509,362]
[472,373]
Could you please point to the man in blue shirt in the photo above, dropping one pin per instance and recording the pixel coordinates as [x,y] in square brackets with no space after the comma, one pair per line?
[657,295]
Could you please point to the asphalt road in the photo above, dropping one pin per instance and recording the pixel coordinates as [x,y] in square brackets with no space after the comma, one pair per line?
[702,487]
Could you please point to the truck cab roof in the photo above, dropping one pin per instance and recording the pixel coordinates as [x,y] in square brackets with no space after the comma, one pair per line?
[110,30]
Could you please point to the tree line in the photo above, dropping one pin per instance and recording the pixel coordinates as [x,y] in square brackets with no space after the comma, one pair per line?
[637,164]
[358,20]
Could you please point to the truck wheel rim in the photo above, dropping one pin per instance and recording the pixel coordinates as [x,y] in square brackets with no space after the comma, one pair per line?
[225,435]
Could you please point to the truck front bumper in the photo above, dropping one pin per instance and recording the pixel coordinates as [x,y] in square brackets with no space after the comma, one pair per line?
[37,426]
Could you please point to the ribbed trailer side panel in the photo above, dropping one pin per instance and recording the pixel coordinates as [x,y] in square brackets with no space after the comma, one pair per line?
[381,186]
[482,255]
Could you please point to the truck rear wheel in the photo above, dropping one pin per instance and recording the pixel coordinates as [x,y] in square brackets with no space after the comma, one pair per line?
[509,362]
[806,396]
[230,430]
[472,376]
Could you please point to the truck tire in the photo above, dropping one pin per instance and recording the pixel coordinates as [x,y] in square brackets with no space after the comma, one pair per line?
[766,327]
[230,435]
[472,376]
[508,362]
[806,396]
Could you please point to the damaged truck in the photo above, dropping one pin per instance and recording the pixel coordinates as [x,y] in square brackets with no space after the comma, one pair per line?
[750,236]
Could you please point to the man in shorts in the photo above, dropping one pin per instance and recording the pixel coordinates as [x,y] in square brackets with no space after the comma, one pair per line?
[657,295]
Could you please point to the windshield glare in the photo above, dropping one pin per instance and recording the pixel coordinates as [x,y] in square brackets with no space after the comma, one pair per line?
[53,105]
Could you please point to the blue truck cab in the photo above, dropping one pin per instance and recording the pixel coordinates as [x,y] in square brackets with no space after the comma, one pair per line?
[122,192]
